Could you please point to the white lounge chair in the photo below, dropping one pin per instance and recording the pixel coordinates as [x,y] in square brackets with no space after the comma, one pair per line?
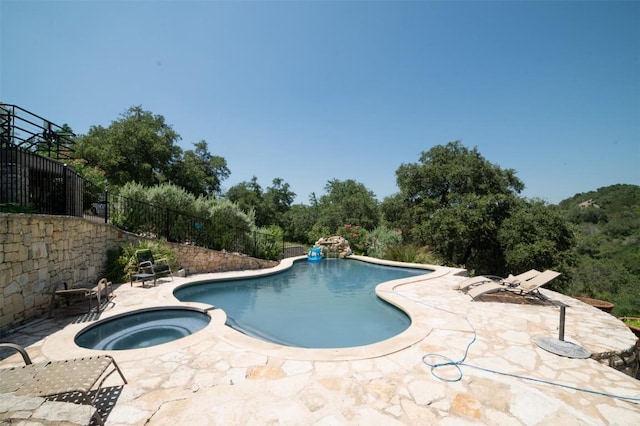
[510,280]
[528,287]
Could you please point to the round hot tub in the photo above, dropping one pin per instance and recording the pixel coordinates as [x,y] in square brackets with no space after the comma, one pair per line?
[142,328]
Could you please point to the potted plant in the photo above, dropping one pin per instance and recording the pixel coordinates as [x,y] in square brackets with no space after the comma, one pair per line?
[603,305]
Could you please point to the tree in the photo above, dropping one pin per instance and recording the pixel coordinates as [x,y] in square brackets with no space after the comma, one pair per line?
[199,172]
[249,197]
[455,201]
[537,235]
[607,255]
[298,221]
[348,202]
[140,147]
[278,199]
[395,214]
[270,207]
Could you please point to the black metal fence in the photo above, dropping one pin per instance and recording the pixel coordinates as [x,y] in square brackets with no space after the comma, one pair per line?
[33,133]
[33,174]
[35,178]
[176,226]
[34,184]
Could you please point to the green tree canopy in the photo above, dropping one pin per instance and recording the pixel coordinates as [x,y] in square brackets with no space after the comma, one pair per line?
[199,172]
[249,197]
[454,201]
[140,147]
[348,202]
[298,221]
[607,251]
[270,206]
[278,199]
[537,235]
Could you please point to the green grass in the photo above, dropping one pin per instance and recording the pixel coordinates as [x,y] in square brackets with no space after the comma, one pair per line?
[633,322]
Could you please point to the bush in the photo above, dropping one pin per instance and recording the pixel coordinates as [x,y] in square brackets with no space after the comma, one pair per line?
[412,254]
[17,208]
[269,242]
[381,239]
[356,235]
[317,232]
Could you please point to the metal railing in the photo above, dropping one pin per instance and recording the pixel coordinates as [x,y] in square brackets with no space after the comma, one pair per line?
[31,183]
[33,175]
[35,179]
[154,221]
[33,133]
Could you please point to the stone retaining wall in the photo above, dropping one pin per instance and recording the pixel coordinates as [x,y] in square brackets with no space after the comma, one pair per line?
[38,253]
[196,260]
[625,361]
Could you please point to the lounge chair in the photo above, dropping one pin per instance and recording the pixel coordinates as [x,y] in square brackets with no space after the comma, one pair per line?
[528,287]
[58,378]
[70,293]
[510,280]
[150,267]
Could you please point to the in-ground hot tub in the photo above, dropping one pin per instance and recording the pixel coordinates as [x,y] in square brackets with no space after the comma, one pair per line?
[143,328]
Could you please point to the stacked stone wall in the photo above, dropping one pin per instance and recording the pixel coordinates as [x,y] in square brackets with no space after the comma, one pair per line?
[625,361]
[197,260]
[38,253]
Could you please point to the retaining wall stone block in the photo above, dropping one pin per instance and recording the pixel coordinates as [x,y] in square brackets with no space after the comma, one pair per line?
[65,249]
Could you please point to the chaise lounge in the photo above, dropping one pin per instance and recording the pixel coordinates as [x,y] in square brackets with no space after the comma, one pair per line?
[528,287]
[58,378]
[510,280]
[104,289]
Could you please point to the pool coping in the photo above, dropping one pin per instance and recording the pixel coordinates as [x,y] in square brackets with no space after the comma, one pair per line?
[62,345]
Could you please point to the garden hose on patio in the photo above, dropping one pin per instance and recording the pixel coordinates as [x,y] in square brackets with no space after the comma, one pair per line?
[434,366]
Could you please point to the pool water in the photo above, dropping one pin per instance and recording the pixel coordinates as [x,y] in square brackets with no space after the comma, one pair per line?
[142,329]
[328,304]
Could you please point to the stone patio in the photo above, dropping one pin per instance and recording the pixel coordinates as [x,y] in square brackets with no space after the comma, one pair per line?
[220,376]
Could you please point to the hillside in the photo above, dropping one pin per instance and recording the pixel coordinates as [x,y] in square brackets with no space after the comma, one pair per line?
[607,254]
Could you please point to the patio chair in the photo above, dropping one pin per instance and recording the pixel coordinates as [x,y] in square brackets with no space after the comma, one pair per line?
[510,280]
[148,266]
[104,289]
[67,378]
[524,288]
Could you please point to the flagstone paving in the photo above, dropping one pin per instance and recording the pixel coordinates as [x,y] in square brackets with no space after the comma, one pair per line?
[498,374]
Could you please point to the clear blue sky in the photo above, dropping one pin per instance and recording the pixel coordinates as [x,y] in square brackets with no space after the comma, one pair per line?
[309,91]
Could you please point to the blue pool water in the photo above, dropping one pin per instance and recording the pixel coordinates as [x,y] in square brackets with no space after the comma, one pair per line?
[142,329]
[328,304]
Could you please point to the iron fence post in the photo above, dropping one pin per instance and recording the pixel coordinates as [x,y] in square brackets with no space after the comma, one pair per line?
[65,198]
[106,206]
[166,226]
[255,243]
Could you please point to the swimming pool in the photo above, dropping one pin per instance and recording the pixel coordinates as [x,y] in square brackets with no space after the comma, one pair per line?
[328,304]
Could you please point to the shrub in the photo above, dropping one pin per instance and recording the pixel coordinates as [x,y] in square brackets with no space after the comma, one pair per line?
[269,242]
[317,232]
[356,235]
[412,254]
[381,239]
